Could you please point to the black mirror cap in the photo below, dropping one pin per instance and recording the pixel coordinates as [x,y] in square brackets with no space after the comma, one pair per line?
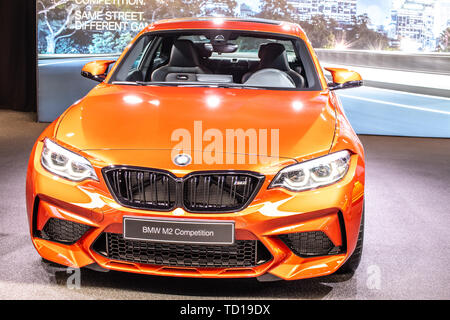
[98,78]
[346,85]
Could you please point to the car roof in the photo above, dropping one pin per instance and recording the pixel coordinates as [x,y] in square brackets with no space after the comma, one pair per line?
[228,23]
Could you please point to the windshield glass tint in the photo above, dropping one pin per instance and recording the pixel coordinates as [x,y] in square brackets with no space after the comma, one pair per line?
[226,58]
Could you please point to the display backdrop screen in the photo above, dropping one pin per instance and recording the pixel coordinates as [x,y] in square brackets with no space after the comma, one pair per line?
[106,26]
[399,45]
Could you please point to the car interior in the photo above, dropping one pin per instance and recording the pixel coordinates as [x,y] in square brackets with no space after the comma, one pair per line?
[221,57]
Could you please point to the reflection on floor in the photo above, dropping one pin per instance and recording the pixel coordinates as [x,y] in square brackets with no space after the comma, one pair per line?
[405,250]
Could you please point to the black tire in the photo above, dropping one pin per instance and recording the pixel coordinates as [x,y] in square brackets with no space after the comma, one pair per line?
[352,263]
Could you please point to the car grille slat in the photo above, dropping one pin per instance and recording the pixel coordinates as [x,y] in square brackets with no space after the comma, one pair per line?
[140,177]
[242,254]
[127,186]
[197,192]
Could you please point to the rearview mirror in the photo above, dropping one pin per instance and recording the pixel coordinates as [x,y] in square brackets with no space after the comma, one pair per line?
[96,70]
[221,48]
[344,79]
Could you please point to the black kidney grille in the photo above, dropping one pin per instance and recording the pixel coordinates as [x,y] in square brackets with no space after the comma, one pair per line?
[138,188]
[218,192]
[197,192]
[244,253]
[309,244]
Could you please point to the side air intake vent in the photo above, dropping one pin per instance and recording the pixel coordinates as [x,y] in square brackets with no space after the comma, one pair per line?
[310,244]
[63,231]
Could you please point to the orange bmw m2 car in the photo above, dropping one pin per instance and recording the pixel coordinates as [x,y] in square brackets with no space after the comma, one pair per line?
[211,148]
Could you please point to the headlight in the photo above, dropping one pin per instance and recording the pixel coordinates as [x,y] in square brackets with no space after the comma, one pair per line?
[65,163]
[313,173]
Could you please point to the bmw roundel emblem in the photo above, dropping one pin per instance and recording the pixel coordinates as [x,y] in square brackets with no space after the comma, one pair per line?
[182,159]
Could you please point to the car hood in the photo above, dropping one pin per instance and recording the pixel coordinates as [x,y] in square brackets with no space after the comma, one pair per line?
[146,117]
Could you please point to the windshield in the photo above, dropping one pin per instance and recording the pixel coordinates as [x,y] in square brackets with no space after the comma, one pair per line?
[218,58]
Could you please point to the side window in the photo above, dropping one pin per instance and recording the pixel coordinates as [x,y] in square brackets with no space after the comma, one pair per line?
[137,63]
[290,51]
[161,55]
[157,58]
[133,58]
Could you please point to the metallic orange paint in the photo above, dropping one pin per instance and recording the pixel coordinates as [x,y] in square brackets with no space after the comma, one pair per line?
[98,67]
[341,75]
[107,130]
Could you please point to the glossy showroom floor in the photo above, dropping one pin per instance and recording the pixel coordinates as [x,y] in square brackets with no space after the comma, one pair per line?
[406,250]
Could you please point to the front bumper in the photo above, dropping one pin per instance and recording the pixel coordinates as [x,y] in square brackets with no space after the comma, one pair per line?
[334,210]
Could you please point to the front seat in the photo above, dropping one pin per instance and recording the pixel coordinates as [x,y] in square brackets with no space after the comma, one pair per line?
[273,56]
[184,64]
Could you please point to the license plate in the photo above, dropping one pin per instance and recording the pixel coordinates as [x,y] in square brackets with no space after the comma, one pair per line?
[179,230]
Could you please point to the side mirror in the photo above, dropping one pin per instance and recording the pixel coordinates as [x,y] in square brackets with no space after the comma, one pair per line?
[96,70]
[344,79]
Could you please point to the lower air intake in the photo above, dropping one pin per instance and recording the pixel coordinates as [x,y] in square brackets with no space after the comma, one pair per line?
[63,231]
[243,253]
[310,244]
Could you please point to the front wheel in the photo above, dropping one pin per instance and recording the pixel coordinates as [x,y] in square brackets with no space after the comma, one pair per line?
[352,263]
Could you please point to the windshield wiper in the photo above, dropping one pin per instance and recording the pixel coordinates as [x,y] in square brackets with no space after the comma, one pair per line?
[237,86]
[130,83]
[183,84]
[188,84]
[160,83]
